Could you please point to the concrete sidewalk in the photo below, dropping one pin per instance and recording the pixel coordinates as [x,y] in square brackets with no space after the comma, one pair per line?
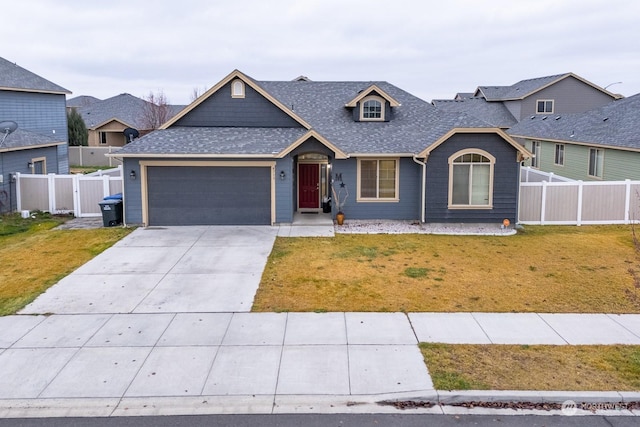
[110,364]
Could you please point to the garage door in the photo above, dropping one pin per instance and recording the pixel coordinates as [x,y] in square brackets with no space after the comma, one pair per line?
[180,195]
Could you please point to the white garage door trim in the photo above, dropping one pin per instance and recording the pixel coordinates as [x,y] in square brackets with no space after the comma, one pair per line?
[156,163]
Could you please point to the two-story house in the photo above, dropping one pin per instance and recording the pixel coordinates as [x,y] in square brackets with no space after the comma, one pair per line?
[599,144]
[534,100]
[39,144]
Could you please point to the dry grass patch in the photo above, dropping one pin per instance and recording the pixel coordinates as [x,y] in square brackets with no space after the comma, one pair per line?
[34,257]
[536,367]
[543,269]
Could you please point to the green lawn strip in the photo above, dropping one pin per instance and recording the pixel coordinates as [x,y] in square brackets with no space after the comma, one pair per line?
[533,367]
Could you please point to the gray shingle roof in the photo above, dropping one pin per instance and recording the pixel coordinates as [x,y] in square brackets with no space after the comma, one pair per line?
[615,125]
[494,113]
[518,90]
[13,76]
[415,124]
[82,101]
[25,139]
[215,140]
[124,107]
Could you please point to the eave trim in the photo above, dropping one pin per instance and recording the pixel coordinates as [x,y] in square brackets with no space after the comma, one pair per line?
[339,154]
[525,154]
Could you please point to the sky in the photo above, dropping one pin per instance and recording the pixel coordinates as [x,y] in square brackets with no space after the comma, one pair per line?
[432,49]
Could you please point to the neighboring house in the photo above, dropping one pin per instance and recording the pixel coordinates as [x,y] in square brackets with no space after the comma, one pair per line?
[257,152]
[81,101]
[601,144]
[107,119]
[39,145]
[504,106]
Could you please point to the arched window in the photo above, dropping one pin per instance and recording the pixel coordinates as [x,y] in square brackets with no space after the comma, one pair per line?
[471,179]
[372,108]
[237,89]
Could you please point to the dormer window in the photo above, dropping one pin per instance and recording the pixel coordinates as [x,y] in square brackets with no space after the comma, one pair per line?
[372,109]
[237,89]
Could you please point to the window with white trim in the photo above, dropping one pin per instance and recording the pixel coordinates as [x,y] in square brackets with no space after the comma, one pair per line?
[596,160]
[372,108]
[544,106]
[558,158]
[535,150]
[378,179]
[103,137]
[237,89]
[471,179]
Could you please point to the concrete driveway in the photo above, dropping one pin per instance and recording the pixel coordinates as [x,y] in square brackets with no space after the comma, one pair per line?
[167,269]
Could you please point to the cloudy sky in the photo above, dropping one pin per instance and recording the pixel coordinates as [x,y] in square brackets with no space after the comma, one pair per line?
[431,49]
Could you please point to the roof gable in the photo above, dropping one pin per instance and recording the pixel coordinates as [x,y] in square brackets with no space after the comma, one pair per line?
[528,87]
[522,151]
[223,83]
[370,90]
[13,77]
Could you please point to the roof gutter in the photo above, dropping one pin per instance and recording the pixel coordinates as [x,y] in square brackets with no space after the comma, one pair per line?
[423,185]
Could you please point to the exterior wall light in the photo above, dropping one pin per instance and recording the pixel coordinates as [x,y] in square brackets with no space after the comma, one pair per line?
[132,175]
[282,175]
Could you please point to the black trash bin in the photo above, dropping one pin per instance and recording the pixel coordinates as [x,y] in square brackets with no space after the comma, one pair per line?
[111,212]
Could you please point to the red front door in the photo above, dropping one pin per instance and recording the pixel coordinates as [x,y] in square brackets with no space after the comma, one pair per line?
[308,186]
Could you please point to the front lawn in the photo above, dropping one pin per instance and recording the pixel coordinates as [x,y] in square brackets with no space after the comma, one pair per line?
[535,367]
[541,269]
[33,256]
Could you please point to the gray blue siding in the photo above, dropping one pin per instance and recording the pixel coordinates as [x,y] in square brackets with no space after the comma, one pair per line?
[569,95]
[220,109]
[505,180]
[17,161]
[285,190]
[42,113]
[407,208]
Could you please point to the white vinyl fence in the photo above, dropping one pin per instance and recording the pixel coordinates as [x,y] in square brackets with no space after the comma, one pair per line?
[528,174]
[93,156]
[578,202]
[77,194]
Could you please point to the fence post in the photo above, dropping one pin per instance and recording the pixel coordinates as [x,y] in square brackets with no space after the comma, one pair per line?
[80,150]
[77,209]
[105,185]
[51,190]
[18,193]
[579,213]
[543,204]
[627,200]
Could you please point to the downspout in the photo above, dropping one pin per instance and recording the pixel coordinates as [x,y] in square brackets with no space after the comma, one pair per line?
[423,185]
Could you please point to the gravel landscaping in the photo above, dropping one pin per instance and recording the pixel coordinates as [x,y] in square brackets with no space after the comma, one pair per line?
[405,227]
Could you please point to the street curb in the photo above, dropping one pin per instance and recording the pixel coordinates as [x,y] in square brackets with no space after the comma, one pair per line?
[462,396]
